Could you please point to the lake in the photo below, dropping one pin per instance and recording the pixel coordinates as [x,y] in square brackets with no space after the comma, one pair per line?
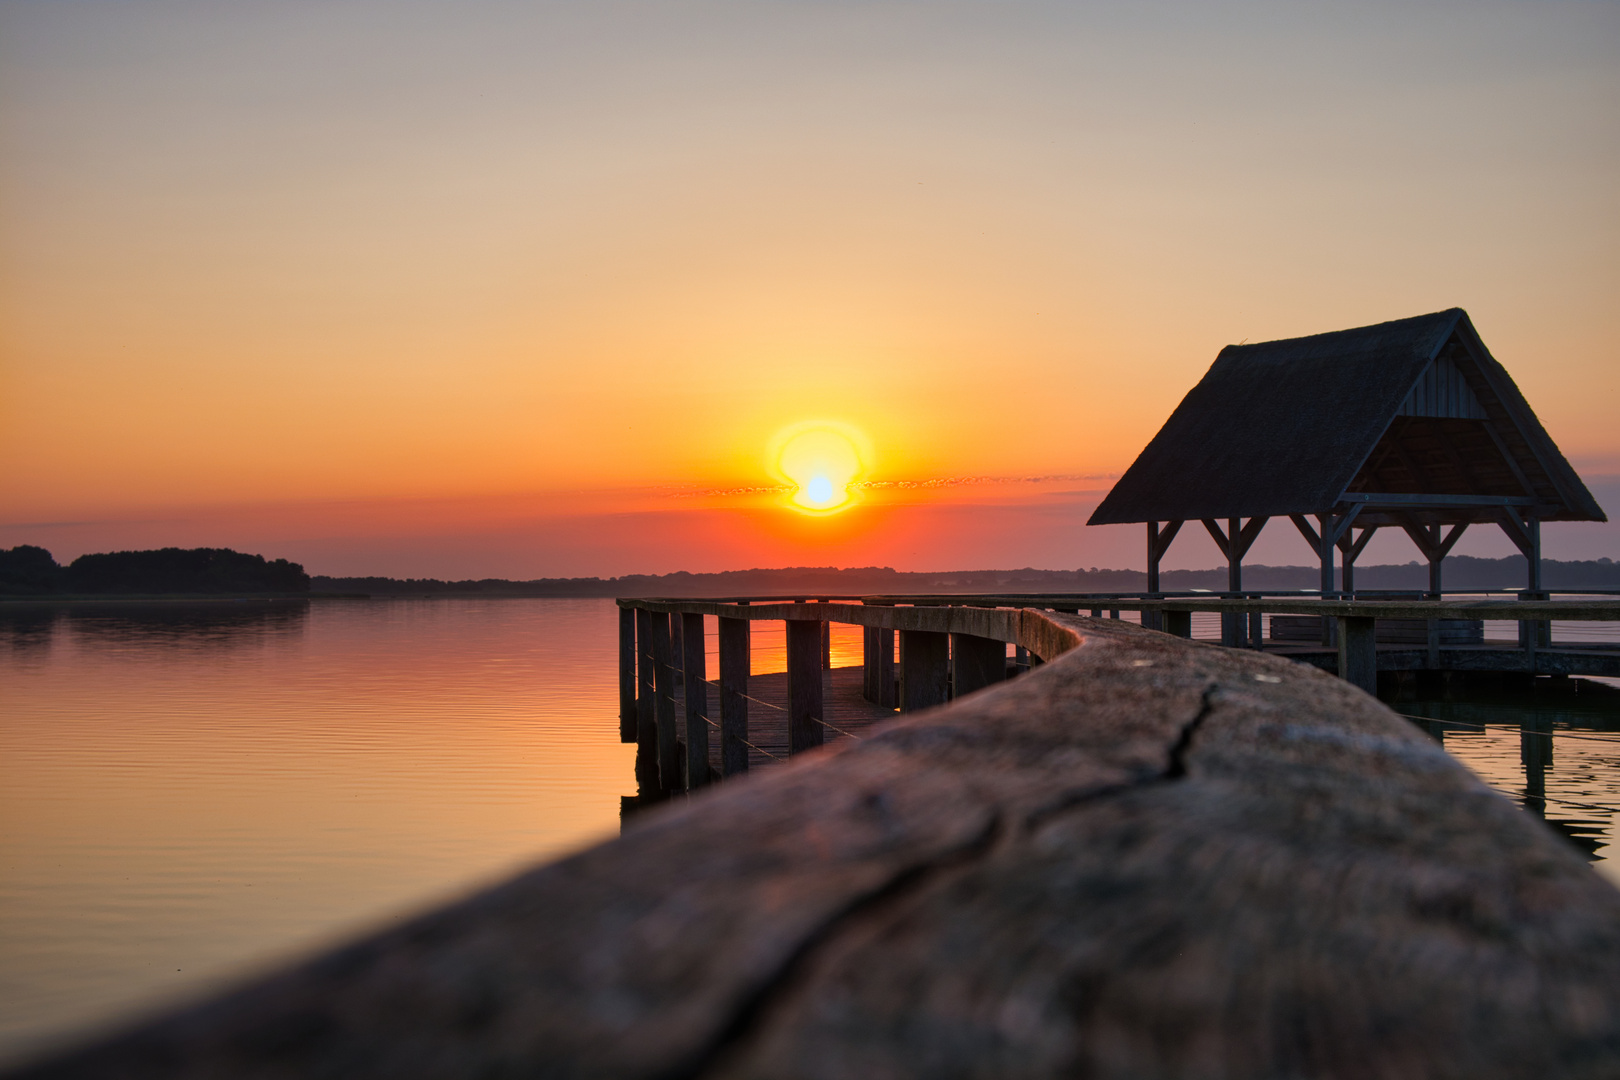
[194,792]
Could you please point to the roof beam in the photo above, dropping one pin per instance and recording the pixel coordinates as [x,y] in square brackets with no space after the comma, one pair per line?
[1508,456]
[1518,532]
[1219,536]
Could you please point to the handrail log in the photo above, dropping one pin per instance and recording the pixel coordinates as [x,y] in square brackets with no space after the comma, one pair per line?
[1146,857]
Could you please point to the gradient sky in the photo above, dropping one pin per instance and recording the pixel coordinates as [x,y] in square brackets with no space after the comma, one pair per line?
[526,289]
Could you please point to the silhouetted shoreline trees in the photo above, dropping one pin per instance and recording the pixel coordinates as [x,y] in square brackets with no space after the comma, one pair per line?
[31,571]
[28,570]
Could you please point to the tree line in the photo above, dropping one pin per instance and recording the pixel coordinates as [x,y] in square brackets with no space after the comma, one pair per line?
[32,571]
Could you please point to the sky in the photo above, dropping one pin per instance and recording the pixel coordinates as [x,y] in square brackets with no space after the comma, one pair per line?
[464,289]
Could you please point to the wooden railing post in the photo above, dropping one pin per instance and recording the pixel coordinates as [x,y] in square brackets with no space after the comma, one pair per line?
[805,710]
[885,669]
[1178,623]
[826,646]
[1358,652]
[734,664]
[976,662]
[869,663]
[695,671]
[924,669]
[646,685]
[669,764]
[627,675]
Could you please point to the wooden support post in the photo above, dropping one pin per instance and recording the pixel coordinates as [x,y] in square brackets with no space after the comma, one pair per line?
[1436,561]
[826,646]
[1325,553]
[805,705]
[976,662]
[675,654]
[885,670]
[669,763]
[868,664]
[1178,623]
[734,664]
[695,677]
[1020,659]
[646,687]
[1257,630]
[1358,652]
[627,675]
[1153,556]
[1158,542]
[925,668]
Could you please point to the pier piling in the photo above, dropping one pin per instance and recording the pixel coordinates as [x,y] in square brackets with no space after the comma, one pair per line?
[627,675]
[925,668]
[976,662]
[805,709]
[697,702]
[734,664]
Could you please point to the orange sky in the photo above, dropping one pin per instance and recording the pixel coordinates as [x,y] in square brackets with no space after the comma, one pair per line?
[465,289]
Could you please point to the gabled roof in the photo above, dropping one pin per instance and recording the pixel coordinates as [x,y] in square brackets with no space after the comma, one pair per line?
[1288,427]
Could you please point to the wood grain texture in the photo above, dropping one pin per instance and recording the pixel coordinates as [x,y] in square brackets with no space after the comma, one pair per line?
[1145,858]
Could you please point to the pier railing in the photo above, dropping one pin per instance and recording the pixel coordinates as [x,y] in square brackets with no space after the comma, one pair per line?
[951,645]
[1144,857]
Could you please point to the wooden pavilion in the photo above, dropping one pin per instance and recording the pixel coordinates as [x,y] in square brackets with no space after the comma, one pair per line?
[1410,424]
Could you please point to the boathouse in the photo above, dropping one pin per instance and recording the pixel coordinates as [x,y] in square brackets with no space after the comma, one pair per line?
[1410,424]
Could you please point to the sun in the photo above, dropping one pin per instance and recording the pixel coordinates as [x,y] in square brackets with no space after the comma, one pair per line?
[820,459]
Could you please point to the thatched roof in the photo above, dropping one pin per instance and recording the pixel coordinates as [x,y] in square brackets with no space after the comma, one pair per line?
[1414,406]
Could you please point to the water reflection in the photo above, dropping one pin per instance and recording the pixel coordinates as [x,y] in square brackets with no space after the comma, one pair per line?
[1551,744]
[200,624]
[187,789]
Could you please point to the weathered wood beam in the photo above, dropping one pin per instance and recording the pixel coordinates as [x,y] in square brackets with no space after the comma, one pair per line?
[1358,653]
[1149,858]
[627,675]
[976,663]
[886,683]
[695,680]
[1218,534]
[1158,544]
[735,661]
[646,686]
[925,669]
[1249,534]
[1510,458]
[669,763]
[806,710]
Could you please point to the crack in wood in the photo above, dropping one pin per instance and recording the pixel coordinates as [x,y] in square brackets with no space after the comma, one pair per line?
[750,1016]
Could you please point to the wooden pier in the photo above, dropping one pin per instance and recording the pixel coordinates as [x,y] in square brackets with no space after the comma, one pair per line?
[950,646]
[1144,857]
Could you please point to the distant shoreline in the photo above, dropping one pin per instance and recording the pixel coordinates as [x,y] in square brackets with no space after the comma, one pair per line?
[1463,574]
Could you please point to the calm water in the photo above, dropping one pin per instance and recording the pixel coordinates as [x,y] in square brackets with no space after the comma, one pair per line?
[190,793]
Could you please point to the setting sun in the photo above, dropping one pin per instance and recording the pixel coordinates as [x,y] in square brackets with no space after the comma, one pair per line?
[821,460]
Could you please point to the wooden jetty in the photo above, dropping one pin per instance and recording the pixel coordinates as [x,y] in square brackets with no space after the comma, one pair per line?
[1145,857]
[952,645]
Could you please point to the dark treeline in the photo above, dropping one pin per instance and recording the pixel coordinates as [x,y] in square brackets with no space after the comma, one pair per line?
[1462,572]
[32,571]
